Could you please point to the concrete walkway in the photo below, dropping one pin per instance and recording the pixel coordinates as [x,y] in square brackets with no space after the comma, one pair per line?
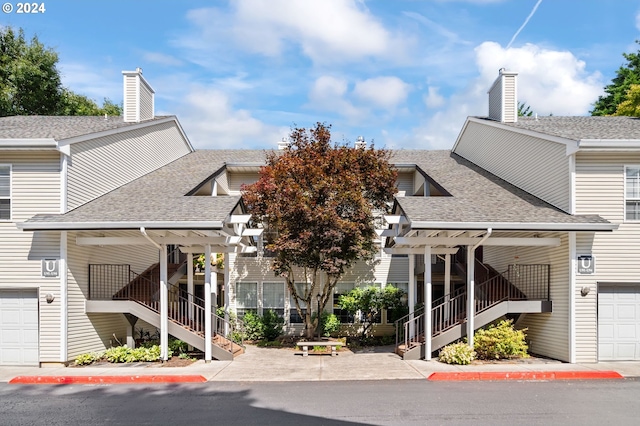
[270,364]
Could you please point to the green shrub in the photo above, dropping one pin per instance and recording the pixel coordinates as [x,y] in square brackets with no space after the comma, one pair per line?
[88,358]
[177,346]
[118,354]
[329,323]
[500,340]
[253,326]
[272,325]
[457,353]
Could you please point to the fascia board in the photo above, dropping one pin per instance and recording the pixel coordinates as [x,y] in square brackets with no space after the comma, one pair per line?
[86,137]
[570,144]
[609,145]
[515,226]
[31,144]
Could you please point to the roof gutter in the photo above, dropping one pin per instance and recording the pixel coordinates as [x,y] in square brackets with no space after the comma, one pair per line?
[96,226]
[515,226]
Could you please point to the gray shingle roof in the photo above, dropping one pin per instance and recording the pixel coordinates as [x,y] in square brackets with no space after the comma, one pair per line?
[160,195]
[58,128]
[477,196]
[578,128]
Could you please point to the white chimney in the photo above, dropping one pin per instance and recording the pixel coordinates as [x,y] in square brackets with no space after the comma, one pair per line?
[503,97]
[360,142]
[138,97]
[283,144]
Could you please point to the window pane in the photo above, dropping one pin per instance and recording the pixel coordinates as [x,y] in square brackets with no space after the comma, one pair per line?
[633,210]
[273,295]
[294,318]
[633,182]
[344,316]
[5,210]
[5,190]
[247,295]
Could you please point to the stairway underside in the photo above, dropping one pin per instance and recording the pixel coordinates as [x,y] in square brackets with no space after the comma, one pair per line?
[417,351]
[221,349]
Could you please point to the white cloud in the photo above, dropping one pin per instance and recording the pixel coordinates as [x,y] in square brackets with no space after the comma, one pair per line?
[325,30]
[210,121]
[433,99]
[549,81]
[95,83]
[329,93]
[382,92]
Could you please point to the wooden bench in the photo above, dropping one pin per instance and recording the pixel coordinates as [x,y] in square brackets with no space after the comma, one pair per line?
[305,346]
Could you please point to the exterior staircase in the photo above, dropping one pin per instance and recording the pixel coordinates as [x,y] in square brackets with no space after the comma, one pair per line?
[521,289]
[116,289]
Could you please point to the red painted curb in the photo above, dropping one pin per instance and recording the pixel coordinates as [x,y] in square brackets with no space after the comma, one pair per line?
[524,375]
[105,380]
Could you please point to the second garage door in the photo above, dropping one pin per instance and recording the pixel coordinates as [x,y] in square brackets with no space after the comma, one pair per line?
[18,327]
[619,322]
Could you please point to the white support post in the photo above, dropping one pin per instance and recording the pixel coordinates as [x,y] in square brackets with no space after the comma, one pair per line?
[64,305]
[207,303]
[190,287]
[226,294]
[427,303]
[214,286]
[164,304]
[447,283]
[412,293]
[471,298]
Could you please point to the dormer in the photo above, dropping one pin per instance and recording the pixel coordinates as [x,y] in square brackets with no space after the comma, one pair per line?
[414,182]
[228,180]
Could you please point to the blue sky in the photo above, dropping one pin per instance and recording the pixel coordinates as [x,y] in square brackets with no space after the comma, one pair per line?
[403,73]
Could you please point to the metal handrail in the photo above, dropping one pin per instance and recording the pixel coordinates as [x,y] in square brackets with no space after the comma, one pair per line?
[519,282]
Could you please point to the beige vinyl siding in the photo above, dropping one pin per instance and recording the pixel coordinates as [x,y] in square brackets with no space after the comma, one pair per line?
[146,101]
[103,164]
[535,165]
[600,190]
[548,333]
[405,183]
[222,182]
[35,188]
[236,179]
[93,332]
[495,101]
[510,112]
[130,98]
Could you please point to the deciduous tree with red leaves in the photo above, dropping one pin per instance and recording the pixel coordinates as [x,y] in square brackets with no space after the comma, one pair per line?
[318,202]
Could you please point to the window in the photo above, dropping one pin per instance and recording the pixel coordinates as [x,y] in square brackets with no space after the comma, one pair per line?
[273,297]
[632,192]
[246,298]
[294,317]
[344,316]
[5,192]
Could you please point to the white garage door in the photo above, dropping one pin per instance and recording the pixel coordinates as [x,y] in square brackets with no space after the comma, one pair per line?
[18,327]
[618,323]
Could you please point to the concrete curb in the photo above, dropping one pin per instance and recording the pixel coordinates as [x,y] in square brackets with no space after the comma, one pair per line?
[105,380]
[524,375]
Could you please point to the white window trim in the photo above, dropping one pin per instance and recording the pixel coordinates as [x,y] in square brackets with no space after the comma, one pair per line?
[284,296]
[625,199]
[10,197]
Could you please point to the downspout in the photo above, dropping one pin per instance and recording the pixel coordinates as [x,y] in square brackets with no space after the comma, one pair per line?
[471,297]
[144,234]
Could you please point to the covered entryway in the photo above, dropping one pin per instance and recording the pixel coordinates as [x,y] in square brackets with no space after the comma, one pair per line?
[619,322]
[19,327]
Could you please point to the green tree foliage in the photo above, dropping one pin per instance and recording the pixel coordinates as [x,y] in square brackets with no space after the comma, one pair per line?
[524,110]
[630,106]
[369,302]
[30,82]
[317,202]
[627,75]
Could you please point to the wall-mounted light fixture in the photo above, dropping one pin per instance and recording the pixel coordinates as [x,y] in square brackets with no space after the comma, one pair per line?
[584,291]
[50,298]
